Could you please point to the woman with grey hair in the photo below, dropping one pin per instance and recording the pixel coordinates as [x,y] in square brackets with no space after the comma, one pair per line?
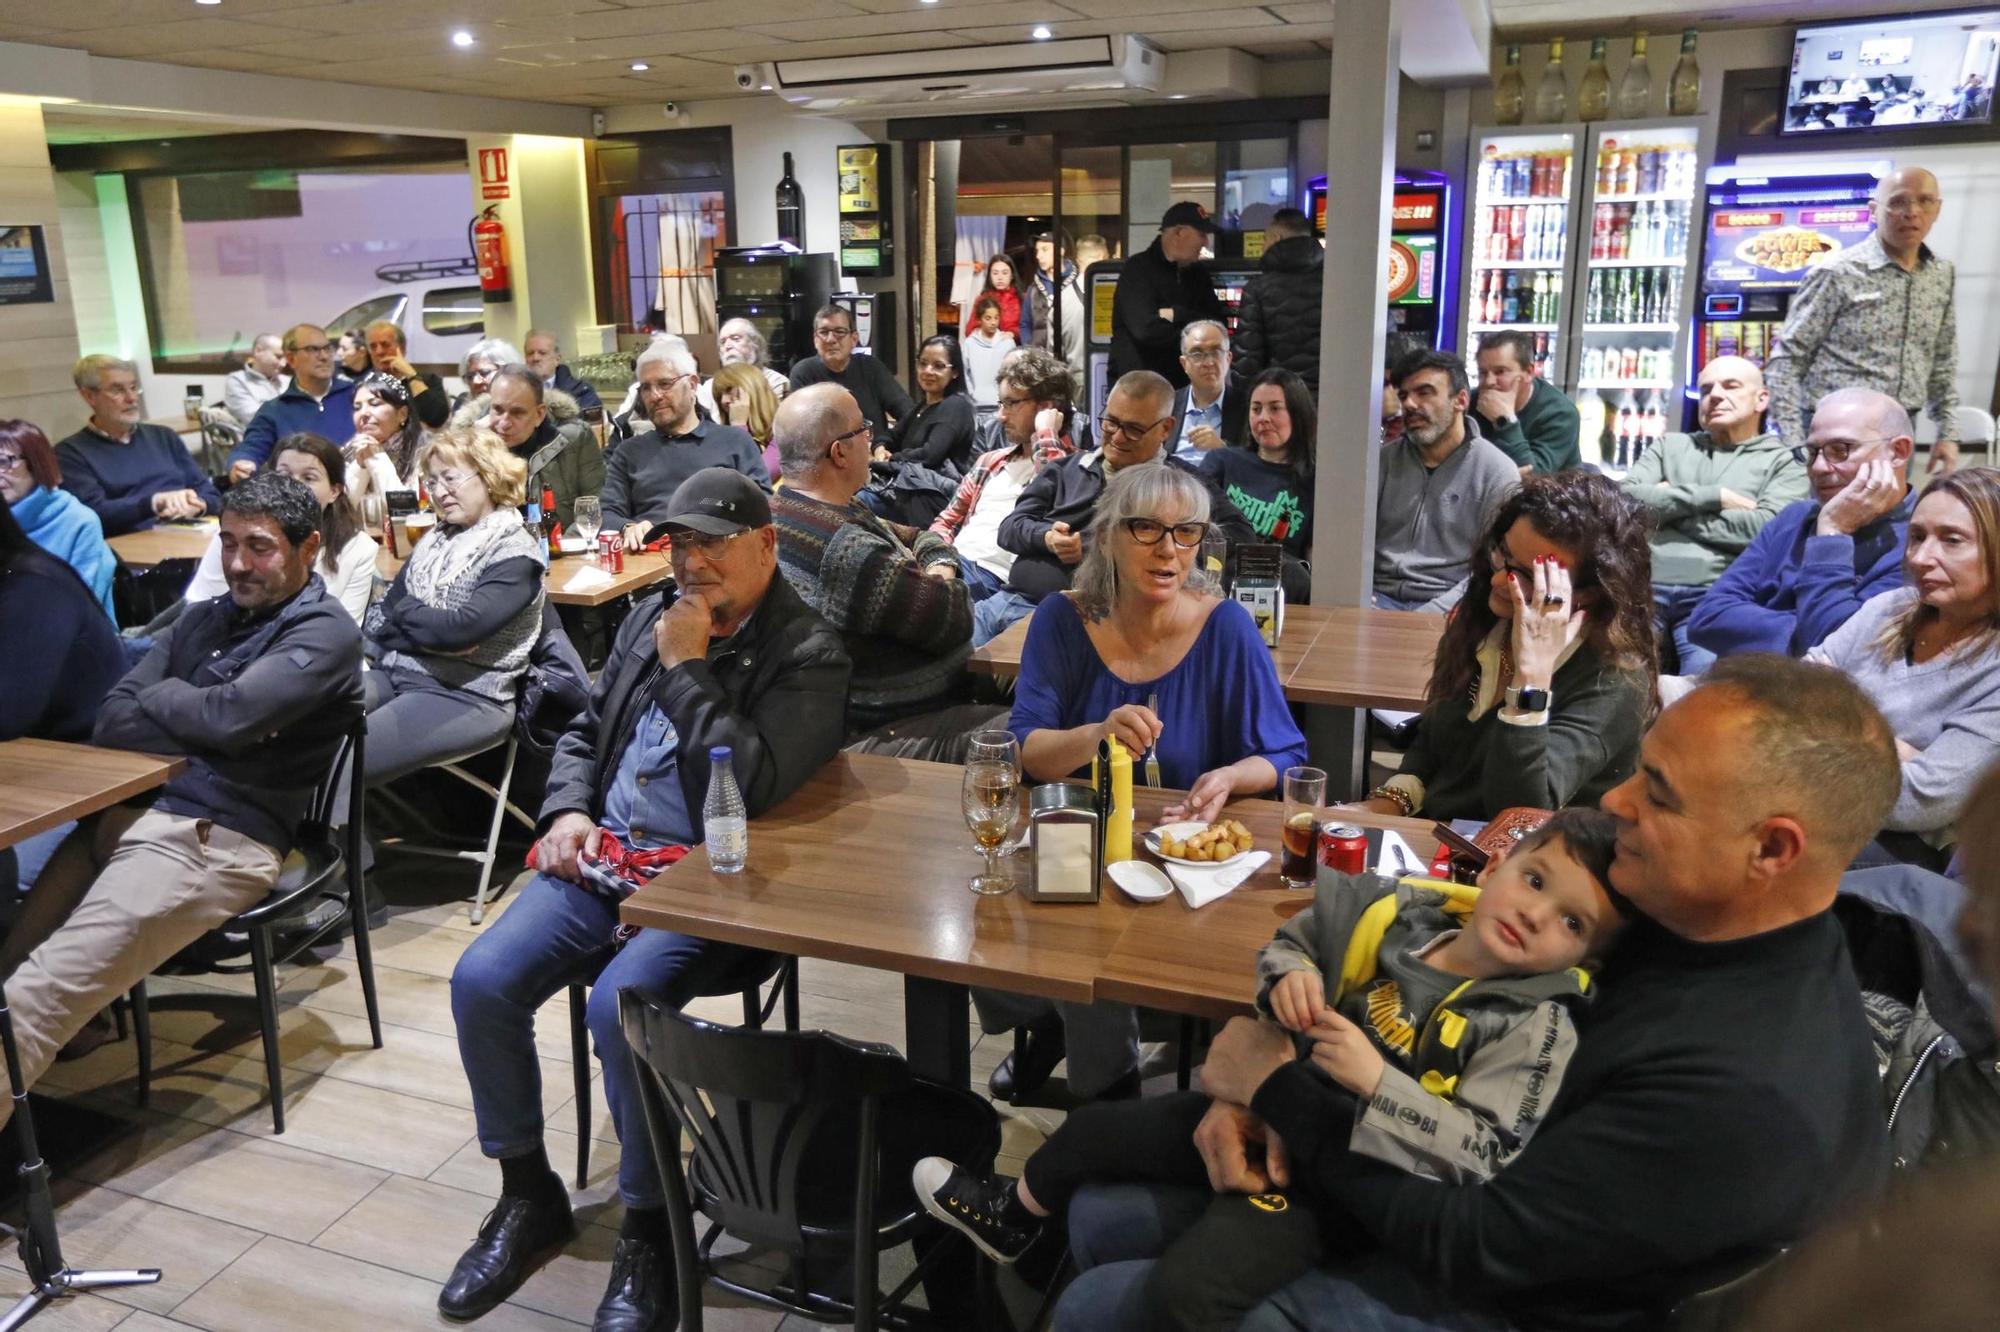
[738,342]
[482,358]
[1132,653]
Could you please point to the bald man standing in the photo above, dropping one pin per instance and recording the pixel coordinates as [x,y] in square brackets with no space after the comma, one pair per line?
[1711,493]
[1878,315]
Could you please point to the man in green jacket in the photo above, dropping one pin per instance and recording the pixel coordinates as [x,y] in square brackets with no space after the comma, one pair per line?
[1711,493]
[563,459]
[1531,420]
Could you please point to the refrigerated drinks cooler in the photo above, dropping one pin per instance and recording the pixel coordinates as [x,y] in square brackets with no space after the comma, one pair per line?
[1582,237]
[1764,229]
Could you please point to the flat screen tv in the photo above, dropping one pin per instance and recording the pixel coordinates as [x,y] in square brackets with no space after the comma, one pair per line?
[1893,73]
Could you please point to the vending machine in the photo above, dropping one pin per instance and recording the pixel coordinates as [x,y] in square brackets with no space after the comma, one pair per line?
[1422,251]
[1518,251]
[1632,313]
[1764,229]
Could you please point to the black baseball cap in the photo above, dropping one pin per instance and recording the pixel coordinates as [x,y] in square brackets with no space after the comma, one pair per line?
[1186,214]
[718,501]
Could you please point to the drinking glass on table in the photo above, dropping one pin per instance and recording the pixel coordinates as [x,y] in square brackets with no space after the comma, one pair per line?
[991,799]
[374,513]
[1305,793]
[1208,565]
[587,520]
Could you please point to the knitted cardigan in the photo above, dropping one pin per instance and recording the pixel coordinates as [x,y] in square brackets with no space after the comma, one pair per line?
[494,663]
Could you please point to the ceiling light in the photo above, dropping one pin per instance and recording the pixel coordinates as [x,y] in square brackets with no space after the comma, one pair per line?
[1041,32]
[208,2]
[1176,97]
[767,87]
[461,38]
[640,67]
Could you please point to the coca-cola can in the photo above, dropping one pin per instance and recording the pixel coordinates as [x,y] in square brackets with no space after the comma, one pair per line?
[611,552]
[1343,847]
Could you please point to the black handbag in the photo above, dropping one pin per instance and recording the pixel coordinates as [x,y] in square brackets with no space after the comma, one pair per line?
[555,688]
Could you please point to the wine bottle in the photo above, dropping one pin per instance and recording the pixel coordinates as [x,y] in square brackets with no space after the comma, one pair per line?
[1635,90]
[1593,95]
[1552,93]
[1510,99]
[791,209]
[1684,87]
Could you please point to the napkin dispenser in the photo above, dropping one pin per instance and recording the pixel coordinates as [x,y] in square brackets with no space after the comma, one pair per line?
[1260,590]
[1065,843]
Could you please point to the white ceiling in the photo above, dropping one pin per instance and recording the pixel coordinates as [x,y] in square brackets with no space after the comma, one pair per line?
[580,52]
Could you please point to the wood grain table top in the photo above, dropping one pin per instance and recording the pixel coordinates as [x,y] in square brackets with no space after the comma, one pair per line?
[168,541]
[641,572]
[46,782]
[868,864]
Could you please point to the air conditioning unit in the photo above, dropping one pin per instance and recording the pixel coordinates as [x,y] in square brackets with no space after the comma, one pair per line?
[1101,67]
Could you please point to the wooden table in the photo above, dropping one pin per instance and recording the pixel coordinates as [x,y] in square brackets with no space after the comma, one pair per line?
[868,863]
[168,541]
[44,783]
[641,572]
[1337,656]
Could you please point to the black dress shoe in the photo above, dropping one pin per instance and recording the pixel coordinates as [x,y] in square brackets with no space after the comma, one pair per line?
[1041,1048]
[518,1235]
[641,1296]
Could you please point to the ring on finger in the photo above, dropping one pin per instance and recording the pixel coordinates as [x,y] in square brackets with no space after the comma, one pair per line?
[1552,600]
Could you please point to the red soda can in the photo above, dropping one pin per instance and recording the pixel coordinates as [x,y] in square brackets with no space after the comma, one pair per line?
[611,552]
[1343,847]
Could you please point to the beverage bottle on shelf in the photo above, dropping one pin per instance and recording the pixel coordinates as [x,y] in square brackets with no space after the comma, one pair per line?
[1545,356]
[1593,95]
[1635,247]
[1517,232]
[1552,93]
[1623,437]
[1510,96]
[1628,363]
[1628,171]
[1510,303]
[1658,249]
[1492,310]
[1635,90]
[1556,230]
[725,823]
[1684,85]
[1590,415]
[1543,312]
[1587,370]
[1555,297]
[1655,423]
[1531,244]
[1600,232]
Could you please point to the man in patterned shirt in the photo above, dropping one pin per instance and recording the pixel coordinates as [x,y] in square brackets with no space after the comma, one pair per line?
[1878,316]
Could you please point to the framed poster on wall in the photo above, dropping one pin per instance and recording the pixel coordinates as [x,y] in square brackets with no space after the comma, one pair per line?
[24,267]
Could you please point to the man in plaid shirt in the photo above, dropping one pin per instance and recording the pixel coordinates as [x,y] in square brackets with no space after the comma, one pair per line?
[1035,391]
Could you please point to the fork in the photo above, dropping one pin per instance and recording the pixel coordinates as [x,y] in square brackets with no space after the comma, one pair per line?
[1152,750]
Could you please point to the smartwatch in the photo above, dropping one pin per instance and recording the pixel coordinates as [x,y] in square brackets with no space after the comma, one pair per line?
[1529,700]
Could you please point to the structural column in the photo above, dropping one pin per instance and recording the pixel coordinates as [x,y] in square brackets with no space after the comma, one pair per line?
[545,205]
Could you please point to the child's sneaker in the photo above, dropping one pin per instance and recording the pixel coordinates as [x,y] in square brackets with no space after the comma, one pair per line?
[982,1206]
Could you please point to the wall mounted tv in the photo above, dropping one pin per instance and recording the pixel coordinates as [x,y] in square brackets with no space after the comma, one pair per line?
[1894,73]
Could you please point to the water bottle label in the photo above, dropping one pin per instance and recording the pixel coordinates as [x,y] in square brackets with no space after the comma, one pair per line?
[728,840]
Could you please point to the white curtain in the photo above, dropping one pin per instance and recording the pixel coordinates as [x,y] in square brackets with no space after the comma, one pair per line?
[687,290]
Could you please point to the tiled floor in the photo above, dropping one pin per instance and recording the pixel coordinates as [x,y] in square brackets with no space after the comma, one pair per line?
[355,1215]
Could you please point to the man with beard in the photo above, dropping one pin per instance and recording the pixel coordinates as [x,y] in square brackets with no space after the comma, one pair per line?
[738,342]
[644,472]
[1439,483]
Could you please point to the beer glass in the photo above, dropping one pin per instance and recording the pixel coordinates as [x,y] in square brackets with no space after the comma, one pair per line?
[991,801]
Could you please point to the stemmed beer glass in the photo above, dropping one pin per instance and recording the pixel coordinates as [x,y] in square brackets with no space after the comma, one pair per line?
[991,799]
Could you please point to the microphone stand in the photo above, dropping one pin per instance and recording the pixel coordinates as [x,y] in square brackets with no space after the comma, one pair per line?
[41,1250]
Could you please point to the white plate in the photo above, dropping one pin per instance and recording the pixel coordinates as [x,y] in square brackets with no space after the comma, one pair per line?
[1140,881]
[1181,832]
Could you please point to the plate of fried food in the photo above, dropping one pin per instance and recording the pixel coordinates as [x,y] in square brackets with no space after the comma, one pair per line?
[1203,845]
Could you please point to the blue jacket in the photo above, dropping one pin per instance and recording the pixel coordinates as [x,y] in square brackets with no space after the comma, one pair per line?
[1790,589]
[258,704]
[332,418]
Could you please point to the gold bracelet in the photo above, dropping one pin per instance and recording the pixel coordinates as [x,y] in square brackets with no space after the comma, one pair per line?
[1399,795]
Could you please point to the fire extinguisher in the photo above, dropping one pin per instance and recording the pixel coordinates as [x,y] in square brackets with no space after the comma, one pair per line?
[489,250]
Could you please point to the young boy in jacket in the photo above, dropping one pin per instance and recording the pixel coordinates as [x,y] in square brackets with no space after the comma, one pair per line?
[1446,1009]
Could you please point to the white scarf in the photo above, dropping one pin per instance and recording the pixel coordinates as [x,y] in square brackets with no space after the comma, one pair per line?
[450,553]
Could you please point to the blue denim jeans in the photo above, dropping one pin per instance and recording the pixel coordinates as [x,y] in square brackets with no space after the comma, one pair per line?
[991,617]
[555,934]
[1673,603]
[979,580]
[1116,1231]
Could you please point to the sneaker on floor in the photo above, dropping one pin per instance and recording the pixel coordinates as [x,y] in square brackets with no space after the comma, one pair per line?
[982,1207]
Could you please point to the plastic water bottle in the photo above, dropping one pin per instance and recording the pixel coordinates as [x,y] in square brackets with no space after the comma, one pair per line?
[723,818]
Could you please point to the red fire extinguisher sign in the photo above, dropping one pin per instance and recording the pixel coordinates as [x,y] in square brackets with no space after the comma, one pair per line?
[493,181]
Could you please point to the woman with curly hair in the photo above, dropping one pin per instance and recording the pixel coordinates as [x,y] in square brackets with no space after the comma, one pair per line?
[1548,670]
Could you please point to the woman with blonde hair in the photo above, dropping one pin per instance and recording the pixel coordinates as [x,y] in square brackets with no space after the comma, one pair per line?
[1928,654]
[744,399]
[449,642]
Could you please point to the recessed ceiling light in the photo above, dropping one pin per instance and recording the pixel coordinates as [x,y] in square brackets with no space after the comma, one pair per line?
[461,38]
[1176,97]
[640,67]
[208,2]
[767,87]
[1041,32]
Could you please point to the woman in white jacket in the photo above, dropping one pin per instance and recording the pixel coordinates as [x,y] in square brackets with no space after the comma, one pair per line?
[382,455]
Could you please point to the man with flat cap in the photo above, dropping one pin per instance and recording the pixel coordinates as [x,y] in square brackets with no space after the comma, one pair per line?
[1162,290]
[731,657]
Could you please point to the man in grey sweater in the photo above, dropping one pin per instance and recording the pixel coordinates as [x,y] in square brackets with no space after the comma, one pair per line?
[1440,482]
[1711,493]
[642,474]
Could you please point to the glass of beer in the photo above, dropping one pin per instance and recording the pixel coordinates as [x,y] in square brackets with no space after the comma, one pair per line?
[418,525]
[1305,793]
[991,799]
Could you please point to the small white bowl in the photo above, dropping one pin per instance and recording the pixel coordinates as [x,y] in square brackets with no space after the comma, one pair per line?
[1141,882]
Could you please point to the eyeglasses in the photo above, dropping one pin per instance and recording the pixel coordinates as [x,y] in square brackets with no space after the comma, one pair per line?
[9,461]
[1835,453]
[864,432]
[659,386]
[1203,355]
[448,481]
[685,541]
[1009,404]
[1108,426]
[832,334]
[1148,531]
[1927,203]
[314,349]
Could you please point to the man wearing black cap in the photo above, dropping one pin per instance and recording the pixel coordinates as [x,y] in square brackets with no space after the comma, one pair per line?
[739,660]
[1162,290]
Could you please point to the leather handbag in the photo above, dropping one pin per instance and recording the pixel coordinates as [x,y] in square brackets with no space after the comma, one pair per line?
[1509,826]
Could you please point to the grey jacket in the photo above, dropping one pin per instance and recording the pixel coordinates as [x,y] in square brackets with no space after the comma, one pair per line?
[1428,524]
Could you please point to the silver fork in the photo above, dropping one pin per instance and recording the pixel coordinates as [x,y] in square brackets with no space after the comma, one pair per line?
[1152,750]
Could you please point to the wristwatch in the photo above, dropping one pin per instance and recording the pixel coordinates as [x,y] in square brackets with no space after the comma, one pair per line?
[1529,699]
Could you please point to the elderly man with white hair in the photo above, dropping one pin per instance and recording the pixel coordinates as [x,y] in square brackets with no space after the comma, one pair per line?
[739,343]
[643,472]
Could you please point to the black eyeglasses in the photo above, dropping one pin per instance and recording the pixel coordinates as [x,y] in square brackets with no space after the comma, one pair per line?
[1148,531]
[1835,453]
[864,431]
[1108,426]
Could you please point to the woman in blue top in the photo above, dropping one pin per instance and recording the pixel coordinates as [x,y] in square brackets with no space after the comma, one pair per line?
[54,519]
[1130,630]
